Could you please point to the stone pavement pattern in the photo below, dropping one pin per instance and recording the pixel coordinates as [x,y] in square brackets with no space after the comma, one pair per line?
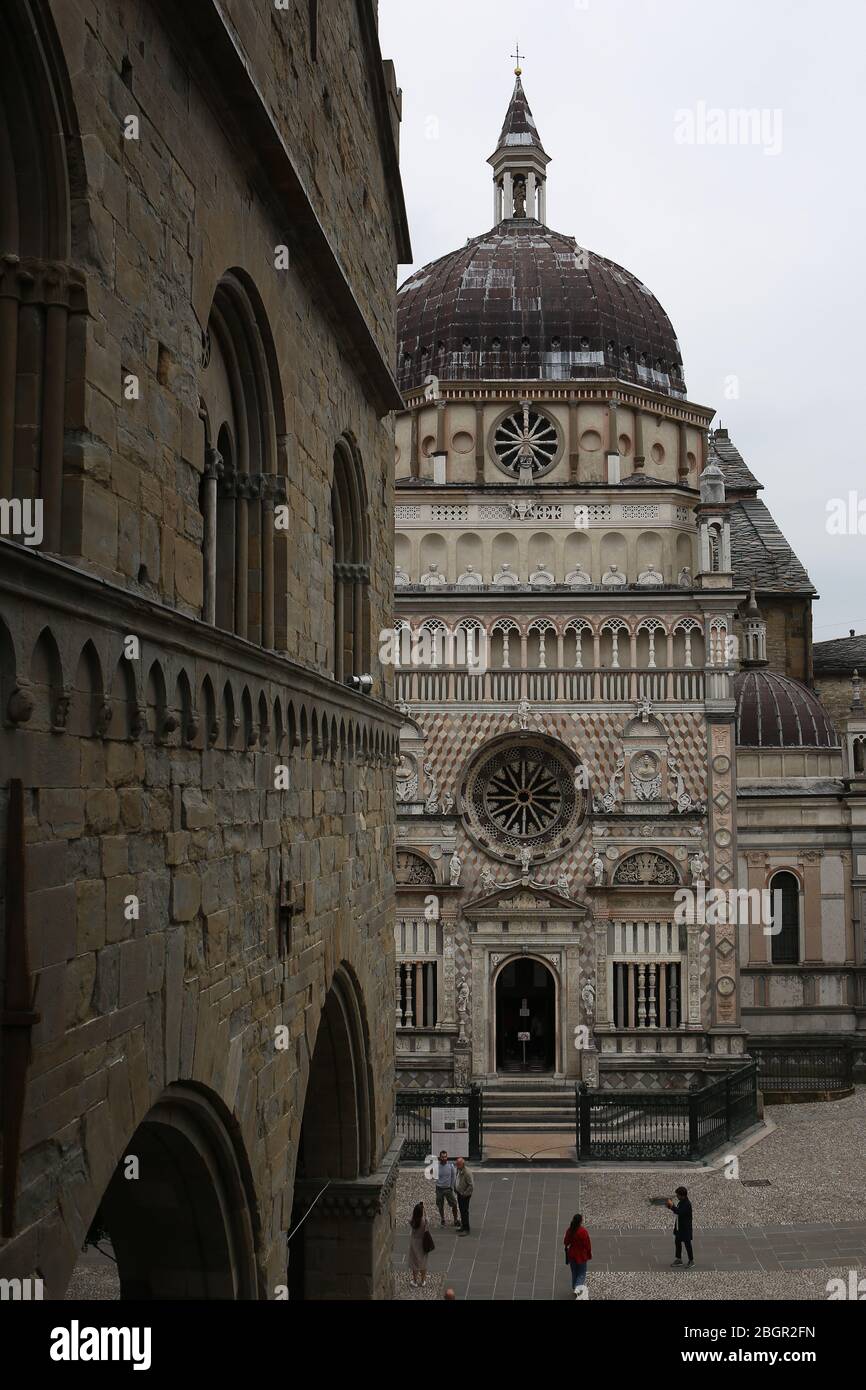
[784,1240]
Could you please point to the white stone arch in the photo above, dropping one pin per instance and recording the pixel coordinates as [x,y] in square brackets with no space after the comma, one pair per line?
[648,632]
[435,648]
[469,644]
[688,635]
[717,654]
[540,636]
[611,634]
[575,634]
[497,967]
[504,635]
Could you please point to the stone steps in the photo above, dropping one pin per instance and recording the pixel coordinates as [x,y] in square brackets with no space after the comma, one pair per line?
[512,1107]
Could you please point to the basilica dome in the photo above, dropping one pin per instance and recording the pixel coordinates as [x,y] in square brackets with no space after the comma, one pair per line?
[524,303]
[774,711]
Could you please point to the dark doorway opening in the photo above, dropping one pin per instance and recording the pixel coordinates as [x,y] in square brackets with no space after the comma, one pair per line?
[525,1003]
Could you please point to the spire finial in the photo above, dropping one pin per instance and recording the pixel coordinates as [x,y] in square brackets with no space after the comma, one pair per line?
[517,55]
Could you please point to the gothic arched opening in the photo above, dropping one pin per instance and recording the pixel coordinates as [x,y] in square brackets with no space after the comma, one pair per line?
[177,1211]
[525,1017]
[332,1252]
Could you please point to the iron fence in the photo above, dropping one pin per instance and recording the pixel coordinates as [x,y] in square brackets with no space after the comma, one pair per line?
[804,1067]
[679,1125]
[414,1119]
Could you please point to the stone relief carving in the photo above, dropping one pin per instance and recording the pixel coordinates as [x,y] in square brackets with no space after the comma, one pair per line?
[652,869]
[455,869]
[611,796]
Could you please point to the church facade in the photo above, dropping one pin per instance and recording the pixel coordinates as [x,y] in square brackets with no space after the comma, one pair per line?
[603,649]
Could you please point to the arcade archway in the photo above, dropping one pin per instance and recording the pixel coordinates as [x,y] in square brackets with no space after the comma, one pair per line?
[331,1252]
[177,1211]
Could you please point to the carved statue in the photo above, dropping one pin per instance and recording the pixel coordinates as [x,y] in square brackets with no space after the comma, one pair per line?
[607,802]
[613,578]
[578,579]
[519,198]
[563,884]
[524,710]
[651,578]
[431,805]
[401,578]
[505,576]
[598,869]
[470,578]
[431,578]
[455,868]
[488,882]
[525,860]
[685,580]
[644,708]
[542,577]
[699,867]
[587,994]
[447,804]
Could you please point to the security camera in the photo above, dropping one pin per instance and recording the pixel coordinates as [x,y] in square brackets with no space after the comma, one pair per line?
[362,684]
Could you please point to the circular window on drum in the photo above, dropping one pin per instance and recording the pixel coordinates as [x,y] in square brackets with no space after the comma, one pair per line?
[526,439]
[523,797]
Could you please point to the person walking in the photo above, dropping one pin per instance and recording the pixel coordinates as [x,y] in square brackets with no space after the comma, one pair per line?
[578,1253]
[446,1178]
[682,1210]
[464,1187]
[420,1245]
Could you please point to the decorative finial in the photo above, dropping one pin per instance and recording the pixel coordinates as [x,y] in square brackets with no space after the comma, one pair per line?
[517,55]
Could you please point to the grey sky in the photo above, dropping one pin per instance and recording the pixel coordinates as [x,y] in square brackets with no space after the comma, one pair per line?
[757,258]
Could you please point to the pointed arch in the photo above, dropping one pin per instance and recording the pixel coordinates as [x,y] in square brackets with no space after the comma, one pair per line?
[244,556]
[46,680]
[88,693]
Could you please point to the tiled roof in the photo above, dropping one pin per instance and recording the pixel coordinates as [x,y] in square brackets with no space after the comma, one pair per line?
[738,476]
[519,128]
[760,554]
[846,654]
[774,711]
[524,303]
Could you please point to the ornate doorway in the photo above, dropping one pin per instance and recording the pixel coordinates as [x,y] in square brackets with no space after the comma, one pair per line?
[525,1004]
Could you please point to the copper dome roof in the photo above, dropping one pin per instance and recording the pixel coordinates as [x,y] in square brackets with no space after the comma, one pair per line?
[524,303]
[774,711]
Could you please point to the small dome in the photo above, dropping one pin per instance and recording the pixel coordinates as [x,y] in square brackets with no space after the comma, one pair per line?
[774,711]
[524,303]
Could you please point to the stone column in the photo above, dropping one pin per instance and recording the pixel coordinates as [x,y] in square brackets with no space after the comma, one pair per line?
[508,194]
[811,862]
[242,556]
[53,410]
[760,942]
[267,541]
[603,982]
[213,467]
[530,195]
[479,443]
[349,1232]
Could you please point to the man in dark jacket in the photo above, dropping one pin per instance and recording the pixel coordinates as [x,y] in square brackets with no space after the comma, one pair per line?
[682,1210]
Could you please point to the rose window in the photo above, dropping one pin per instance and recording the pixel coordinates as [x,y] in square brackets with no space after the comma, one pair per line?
[526,438]
[523,796]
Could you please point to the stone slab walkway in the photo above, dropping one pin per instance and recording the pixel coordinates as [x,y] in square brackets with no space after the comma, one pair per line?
[515,1249]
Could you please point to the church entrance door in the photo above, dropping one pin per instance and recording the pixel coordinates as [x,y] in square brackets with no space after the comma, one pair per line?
[525,1004]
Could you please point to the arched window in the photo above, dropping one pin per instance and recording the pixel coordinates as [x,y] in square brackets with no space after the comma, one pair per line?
[785,890]
[351,550]
[245,578]
[43,296]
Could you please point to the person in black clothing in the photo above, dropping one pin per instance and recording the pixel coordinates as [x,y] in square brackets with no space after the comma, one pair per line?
[682,1210]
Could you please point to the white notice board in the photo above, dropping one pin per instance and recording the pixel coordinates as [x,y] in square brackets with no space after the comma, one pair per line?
[450,1130]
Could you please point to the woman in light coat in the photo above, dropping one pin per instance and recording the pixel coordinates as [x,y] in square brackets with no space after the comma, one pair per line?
[418,1229]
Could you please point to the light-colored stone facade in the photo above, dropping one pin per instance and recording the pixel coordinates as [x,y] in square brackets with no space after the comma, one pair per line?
[199,820]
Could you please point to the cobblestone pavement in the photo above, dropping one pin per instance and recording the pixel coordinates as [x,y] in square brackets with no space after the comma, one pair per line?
[785,1240]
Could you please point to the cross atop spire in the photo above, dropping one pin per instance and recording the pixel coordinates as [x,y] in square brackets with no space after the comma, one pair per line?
[517,55]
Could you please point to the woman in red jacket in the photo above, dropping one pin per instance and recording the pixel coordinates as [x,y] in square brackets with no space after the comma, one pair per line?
[578,1252]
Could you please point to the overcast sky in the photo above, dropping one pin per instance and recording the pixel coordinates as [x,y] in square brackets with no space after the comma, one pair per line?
[756,250]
